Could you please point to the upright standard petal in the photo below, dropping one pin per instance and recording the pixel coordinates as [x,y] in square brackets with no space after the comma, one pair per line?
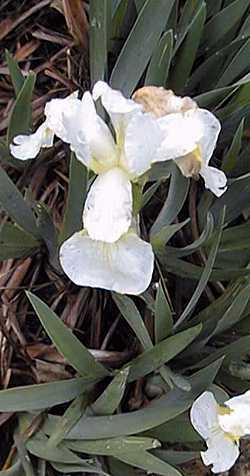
[125,266]
[237,421]
[222,452]
[28,146]
[108,209]
[215,180]
[118,107]
[204,414]
[88,135]
[142,139]
[101,143]
[58,109]
[113,100]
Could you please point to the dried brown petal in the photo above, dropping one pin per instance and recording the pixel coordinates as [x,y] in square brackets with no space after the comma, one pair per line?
[76,20]
[160,101]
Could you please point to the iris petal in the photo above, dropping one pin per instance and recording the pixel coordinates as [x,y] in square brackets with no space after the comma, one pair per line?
[125,266]
[57,109]
[204,414]
[142,139]
[222,453]
[108,209]
[215,180]
[119,108]
[28,146]
[237,422]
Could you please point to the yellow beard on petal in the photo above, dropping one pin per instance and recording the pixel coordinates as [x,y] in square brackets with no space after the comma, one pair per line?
[97,167]
[47,137]
[224,410]
[190,164]
[234,438]
[100,167]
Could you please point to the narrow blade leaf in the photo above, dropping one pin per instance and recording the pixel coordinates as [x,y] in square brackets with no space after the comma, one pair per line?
[73,350]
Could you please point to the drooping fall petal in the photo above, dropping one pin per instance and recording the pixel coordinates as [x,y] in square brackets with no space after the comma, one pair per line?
[26,146]
[215,180]
[55,111]
[222,453]
[204,414]
[125,266]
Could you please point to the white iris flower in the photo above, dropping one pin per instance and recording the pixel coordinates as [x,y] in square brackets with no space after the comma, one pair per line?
[221,427]
[108,253]
[117,161]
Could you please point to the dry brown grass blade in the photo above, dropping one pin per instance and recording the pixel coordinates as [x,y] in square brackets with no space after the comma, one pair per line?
[46,35]
[17,278]
[61,79]
[7,25]
[76,20]
[52,59]
[46,352]
[26,50]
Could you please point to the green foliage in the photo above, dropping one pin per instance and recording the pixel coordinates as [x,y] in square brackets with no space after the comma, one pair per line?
[110,399]
[163,315]
[130,312]
[158,68]
[161,353]
[187,52]
[161,410]
[45,395]
[15,242]
[140,45]
[78,182]
[72,349]
[230,159]
[176,197]
[98,35]
[15,72]
[12,201]
[20,118]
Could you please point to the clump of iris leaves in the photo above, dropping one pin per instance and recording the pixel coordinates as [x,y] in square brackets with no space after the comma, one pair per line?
[197,48]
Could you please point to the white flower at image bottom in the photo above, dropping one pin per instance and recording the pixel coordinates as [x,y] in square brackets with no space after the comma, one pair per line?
[221,427]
